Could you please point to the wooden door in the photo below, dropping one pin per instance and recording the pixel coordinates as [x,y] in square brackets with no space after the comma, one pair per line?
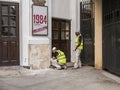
[61,36]
[9,34]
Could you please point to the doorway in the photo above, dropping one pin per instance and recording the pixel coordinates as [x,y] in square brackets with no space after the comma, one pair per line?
[61,35]
[9,33]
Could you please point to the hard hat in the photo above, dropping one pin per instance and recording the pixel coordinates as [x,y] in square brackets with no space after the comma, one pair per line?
[54,48]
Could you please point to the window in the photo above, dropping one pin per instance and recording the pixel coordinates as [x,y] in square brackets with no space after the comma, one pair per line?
[61,29]
[8,16]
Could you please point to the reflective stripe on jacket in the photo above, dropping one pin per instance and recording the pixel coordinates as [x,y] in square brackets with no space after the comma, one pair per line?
[61,57]
[77,42]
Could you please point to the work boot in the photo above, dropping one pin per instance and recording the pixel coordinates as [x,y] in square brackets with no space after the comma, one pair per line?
[75,68]
[57,68]
[51,66]
[64,67]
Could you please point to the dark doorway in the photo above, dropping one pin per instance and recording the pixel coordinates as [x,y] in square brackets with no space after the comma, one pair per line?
[9,34]
[87,30]
[111,36]
[61,35]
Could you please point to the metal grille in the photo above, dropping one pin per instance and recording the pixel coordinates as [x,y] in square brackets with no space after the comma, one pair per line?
[87,30]
[111,36]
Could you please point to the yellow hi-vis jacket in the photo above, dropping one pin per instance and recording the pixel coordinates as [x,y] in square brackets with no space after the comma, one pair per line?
[61,57]
[77,42]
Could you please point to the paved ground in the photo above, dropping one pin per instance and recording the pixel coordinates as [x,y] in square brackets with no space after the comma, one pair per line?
[86,78]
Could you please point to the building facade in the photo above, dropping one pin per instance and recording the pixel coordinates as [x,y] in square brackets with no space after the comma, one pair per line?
[20,47]
[24,49]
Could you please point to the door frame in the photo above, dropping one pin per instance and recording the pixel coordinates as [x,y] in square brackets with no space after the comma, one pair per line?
[69,41]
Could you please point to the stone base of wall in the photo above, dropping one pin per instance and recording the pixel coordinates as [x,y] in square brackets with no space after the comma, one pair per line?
[39,56]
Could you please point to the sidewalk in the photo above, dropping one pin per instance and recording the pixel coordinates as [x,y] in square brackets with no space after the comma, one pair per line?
[85,78]
[17,71]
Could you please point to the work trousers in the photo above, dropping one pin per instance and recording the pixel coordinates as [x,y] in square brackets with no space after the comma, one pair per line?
[57,65]
[77,60]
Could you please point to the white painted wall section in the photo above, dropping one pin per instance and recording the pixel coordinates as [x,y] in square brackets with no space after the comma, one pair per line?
[73,28]
[10,0]
[25,27]
[61,9]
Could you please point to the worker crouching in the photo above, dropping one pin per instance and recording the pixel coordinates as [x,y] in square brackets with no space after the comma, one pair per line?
[58,59]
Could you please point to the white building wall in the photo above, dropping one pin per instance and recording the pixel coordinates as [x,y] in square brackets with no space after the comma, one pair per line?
[10,0]
[24,31]
[65,9]
[61,9]
[73,28]
[34,50]
[32,45]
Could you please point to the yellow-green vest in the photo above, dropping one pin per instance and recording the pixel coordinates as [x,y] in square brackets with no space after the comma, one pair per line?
[61,57]
[77,42]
